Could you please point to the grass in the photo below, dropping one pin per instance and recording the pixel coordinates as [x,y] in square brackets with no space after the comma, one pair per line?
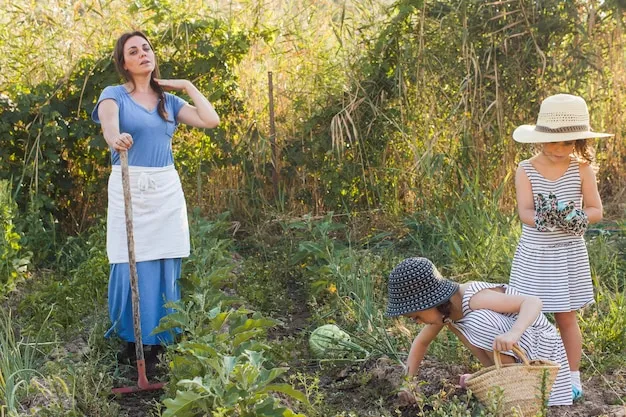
[20,358]
[338,276]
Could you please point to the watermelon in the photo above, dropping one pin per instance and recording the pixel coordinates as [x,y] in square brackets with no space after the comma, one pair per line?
[329,341]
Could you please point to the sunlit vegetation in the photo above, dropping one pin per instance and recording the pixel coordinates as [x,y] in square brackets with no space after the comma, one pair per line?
[393,124]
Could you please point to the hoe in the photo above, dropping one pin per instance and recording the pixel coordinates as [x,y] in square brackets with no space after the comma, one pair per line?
[142,380]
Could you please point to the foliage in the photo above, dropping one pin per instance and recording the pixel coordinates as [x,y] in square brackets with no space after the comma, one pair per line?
[238,386]
[603,324]
[77,289]
[319,249]
[14,258]
[20,358]
[67,388]
[219,365]
[475,238]
[347,281]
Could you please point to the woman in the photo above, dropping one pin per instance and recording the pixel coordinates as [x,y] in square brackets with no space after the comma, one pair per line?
[141,118]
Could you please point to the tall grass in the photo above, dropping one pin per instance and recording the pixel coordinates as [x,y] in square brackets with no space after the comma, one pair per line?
[19,360]
[604,323]
[467,233]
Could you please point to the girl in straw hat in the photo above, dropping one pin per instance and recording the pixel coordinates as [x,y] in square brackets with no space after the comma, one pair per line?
[484,317]
[557,197]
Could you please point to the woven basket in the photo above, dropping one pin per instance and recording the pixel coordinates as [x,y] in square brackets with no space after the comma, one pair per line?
[520,383]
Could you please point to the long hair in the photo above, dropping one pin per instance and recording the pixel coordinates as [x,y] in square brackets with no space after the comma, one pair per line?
[583,151]
[118,58]
[445,309]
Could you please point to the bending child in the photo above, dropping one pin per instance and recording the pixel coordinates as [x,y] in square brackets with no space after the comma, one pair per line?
[484,317]
[557,197]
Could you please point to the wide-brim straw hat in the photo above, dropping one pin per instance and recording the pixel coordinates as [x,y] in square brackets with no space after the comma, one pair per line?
[416,285]
[562,117]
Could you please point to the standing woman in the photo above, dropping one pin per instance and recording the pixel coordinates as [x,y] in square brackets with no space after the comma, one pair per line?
[140,117]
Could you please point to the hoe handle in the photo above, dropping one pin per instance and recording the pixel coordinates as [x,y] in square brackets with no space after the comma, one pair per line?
[132,264]
[142,380]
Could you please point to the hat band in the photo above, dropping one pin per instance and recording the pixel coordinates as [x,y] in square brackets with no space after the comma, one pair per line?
[564,129]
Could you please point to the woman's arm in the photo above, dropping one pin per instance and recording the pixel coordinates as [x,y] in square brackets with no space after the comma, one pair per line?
[525,200]
[108,113]
[202,113]
[592,204]
[527,307]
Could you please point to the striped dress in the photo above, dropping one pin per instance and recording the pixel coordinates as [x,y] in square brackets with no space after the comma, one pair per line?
[539,341]
[554,266]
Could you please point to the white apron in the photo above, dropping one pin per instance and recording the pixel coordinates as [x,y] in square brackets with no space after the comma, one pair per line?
[160,223]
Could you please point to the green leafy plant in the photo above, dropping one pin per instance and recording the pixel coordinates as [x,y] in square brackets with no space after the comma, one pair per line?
[14,259]
[77,287]
[236,386]
[470,232]
[219,364]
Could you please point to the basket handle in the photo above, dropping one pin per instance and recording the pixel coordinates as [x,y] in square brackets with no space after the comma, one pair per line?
[518,352]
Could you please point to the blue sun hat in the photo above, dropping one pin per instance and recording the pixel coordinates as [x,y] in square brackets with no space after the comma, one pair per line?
[415,284]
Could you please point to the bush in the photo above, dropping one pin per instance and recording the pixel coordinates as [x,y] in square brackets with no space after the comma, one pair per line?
[14,259]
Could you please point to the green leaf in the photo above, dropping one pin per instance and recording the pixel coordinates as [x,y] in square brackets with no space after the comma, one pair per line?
[181,405]
[287,390]
[268,408]
[197,384]
[245,336]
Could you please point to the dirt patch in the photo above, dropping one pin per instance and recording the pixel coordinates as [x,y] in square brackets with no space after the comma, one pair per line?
[369,389]
[139,404]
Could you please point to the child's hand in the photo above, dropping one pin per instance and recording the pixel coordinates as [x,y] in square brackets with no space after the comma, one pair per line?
[407,394]
[506,341]
[406,397]
[576,223]
[546,214]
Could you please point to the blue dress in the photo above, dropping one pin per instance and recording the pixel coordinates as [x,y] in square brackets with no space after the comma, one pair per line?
[158,278]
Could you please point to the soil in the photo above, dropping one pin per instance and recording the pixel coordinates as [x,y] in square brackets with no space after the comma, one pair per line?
[367,388]
[139,404]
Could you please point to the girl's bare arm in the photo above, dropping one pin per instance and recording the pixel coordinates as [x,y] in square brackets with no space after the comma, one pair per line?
[527,307]
[525,200]
[420,346]
[592,204]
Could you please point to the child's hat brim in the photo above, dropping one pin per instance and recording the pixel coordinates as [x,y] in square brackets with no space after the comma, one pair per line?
[529,134]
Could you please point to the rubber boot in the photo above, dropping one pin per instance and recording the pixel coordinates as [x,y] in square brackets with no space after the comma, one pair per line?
[127,355]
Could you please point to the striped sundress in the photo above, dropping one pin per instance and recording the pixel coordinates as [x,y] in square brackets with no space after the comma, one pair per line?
[554,266]
[539,341]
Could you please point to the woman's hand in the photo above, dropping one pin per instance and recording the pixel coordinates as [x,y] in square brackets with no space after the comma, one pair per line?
[121,142]
[506,341]
[173,85]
